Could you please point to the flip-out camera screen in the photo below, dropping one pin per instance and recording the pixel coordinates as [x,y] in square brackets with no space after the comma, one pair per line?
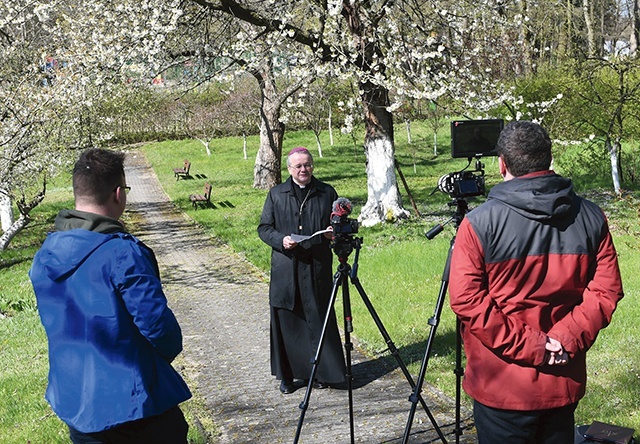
[475,138]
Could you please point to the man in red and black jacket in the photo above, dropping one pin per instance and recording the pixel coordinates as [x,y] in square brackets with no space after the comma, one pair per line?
[534,278]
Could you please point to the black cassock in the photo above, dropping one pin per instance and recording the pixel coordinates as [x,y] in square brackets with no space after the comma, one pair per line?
[301,282]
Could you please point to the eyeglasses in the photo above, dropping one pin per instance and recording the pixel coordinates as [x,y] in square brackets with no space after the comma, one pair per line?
[125,188]
[308,166]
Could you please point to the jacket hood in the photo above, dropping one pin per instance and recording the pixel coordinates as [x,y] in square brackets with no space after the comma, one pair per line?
[79,234]
[72,219]
[541,196]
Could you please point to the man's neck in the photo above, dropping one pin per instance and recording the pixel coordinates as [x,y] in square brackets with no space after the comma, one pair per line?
[102,210]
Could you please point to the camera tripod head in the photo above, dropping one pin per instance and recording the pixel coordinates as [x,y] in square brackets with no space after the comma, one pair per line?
[343,244]
[462,207]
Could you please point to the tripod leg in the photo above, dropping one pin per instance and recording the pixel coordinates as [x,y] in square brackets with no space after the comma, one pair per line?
[383,331]
[459,371]
[433,322]
[339,279]
[348,347]
[395,353]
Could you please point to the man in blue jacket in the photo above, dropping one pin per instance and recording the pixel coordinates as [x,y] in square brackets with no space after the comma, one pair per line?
[111,335]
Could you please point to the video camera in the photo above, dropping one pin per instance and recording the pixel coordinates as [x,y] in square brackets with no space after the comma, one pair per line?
[340,223]
[470,138]
[343,227]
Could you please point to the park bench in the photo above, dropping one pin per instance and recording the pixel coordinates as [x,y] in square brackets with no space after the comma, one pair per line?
[182,172]
[201,199]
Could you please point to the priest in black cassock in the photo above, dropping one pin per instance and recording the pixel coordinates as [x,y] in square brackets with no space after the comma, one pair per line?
[301,277]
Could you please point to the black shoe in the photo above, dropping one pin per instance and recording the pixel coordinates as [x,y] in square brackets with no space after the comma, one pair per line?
[320,385]
[287,387]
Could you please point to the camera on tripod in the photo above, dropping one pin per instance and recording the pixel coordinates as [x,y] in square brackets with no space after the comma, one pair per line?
[463,184]
[470,138]
[340,222]
[343,228]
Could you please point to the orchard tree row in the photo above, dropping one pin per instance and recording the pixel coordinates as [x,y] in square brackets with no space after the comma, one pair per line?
[79,73]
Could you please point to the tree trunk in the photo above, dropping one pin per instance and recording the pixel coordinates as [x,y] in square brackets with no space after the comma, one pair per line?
[244,145]
[526,39]
[13,230]
[635,30]
[587,11]
[24,207]
[318,143]
[614,153]
[565,46]
[384,202]
[206,142]
[267,169]
[6,211]
[383,198]
[331,126]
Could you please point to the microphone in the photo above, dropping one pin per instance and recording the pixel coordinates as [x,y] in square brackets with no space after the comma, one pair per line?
[341,208]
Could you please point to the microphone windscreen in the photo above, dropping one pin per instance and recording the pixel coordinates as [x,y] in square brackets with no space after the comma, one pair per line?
[341,207]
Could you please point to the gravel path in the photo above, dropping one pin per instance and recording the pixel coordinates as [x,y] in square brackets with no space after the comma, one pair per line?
[221,303]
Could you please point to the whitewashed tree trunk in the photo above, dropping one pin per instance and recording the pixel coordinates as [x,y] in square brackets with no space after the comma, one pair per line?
[408,125]
[24,219]
[330,127]
[383,200]
[244,145]
[614,152]
[318,144]
[435,144]
[206,143]
[6,211]
[384,203]
[13,230]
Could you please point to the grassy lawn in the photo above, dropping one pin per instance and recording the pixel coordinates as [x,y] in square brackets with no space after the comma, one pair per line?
[399,268]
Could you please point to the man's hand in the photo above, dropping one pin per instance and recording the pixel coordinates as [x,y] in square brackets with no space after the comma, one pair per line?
[288,243]
[555,354]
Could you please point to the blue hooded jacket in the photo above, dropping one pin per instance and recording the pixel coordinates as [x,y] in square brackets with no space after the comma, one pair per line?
[111,334]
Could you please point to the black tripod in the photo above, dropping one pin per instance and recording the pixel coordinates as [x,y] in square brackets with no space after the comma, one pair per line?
[461,210]
[343,245]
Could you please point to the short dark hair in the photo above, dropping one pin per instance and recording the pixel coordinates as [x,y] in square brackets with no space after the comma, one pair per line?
[96,173]
[525,147]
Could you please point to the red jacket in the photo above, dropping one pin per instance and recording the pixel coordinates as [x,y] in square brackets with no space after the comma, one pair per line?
[535,260]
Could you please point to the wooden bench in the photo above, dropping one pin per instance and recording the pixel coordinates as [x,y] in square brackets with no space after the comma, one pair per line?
[201,199]
[182,172]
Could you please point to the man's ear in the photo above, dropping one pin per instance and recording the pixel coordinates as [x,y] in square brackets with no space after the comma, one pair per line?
[502,166]
[119,194]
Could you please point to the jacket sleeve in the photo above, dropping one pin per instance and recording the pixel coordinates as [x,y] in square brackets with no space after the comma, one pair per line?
[578,330]
[267,227]
[138,283]
[479,314]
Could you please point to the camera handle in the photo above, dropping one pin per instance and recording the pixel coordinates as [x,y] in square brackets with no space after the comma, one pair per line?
[341,279]
[461,210]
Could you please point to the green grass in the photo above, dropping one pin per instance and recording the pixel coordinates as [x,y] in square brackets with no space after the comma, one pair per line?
[399,268]
[24,414]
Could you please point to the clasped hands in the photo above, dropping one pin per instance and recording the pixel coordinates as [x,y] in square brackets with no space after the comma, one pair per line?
[555,354]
